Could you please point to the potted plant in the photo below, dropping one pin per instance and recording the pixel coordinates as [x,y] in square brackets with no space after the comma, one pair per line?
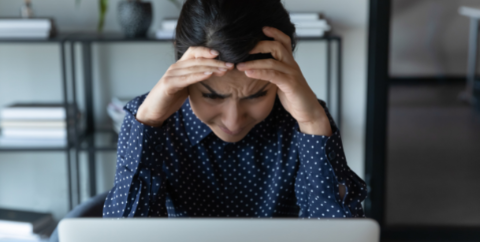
[135,17]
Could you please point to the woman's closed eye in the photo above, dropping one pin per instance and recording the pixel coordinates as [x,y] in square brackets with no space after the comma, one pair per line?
[211,96]
[214,96]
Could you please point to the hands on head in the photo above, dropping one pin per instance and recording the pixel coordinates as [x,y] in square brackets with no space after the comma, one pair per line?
[170,92]
[198,64]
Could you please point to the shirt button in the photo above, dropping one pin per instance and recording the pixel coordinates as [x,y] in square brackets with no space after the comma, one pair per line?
[332,155]
[158,148]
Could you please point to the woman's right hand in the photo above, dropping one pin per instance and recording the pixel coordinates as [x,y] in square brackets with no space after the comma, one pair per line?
[170,92]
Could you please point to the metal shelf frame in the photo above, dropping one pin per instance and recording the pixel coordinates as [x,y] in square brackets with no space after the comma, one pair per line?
[60,40]
[87,141]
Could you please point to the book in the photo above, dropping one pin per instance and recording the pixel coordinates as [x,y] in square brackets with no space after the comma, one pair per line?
[27,28]
[16,142]
[26,34]
[32,124]
[309,32]
[42,236]
[116,112]
[45,133]
[169,23]
[167,30]
[304,16]
[165,34]
[20,137]
[321,24]
[26,23]
[34,111]
[20,222]
[309,24]
[119,103]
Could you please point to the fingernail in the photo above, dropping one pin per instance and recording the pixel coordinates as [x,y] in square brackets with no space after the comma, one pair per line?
[241,65]
[222,69]
[248,71]
[214,52]
[229,64]
[208,73]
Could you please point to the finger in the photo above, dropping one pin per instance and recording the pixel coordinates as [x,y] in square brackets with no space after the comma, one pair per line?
[201,62]
[275,48]
[265,64]
[179,82]
[195,69]
[279,36]
[194,52]
[276,77]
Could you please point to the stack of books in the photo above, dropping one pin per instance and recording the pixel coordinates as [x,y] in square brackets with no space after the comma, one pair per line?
[36,125]
[309,24]
[18,225]
[306,24]
[167,31]
[116,112]
[37,28]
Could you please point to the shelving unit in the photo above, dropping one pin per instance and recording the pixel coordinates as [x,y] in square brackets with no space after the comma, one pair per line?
[95,140]
[60,40]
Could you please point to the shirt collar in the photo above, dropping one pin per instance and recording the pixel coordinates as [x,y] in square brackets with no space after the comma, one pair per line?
[197,130]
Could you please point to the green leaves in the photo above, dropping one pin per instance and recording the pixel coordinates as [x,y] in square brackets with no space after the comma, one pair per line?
[102,10]
[103,6]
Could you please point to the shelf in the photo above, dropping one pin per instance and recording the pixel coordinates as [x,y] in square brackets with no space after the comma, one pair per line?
[56,38]
[109,37]
[103,140]
[32,149]
[35,148]
[116,37]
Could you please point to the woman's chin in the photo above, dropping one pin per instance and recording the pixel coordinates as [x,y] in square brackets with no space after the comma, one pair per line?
[230,138]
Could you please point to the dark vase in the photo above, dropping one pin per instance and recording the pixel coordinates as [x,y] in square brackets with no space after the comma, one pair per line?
[135,17]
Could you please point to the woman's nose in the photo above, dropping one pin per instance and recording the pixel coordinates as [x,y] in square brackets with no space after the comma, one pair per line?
[234,117]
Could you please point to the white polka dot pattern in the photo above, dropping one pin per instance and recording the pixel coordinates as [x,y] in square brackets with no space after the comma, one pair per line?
[183,169]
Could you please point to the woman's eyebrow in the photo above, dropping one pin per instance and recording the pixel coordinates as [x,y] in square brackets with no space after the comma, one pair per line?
[225,96]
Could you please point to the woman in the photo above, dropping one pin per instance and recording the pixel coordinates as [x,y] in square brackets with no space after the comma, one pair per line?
[232,129]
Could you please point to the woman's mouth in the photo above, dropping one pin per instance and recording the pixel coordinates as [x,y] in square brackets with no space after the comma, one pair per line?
[230,132]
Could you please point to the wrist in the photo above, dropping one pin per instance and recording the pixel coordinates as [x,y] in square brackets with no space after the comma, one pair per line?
[143,117]
[319,127]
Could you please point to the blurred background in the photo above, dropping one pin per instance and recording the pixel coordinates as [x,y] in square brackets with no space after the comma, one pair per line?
[433,138]
[433,128]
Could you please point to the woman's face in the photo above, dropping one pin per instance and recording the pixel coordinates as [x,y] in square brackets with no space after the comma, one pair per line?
[232,104]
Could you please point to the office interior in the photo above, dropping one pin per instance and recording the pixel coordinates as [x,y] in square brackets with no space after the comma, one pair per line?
[428,130]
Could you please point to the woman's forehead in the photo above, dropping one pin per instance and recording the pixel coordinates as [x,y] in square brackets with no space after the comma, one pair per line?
[234,80]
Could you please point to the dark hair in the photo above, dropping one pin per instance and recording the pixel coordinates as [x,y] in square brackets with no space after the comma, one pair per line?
[231,27]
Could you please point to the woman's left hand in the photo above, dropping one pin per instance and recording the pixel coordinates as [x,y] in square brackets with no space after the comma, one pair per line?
[293,90]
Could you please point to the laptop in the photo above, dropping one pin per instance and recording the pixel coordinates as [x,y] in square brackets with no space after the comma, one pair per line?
[218,230]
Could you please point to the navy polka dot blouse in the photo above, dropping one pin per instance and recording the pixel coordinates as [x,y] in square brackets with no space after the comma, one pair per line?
[182,169]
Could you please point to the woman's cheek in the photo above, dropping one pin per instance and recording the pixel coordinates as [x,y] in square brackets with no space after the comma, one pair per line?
[262,109]
[204,109]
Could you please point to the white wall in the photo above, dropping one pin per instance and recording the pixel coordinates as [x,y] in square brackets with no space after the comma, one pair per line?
[352,24]
[32,73]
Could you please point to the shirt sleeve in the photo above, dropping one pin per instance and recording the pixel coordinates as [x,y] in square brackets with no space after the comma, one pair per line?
[139,186]
[322,168]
